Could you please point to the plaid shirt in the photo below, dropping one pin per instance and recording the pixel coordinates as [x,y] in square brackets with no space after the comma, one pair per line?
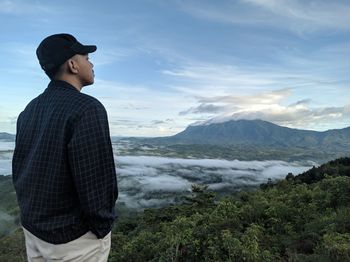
[63,167]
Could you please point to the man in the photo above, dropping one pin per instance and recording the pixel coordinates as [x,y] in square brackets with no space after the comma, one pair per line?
[63,167]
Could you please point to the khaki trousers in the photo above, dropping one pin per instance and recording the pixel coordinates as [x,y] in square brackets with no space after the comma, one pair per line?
[85,248]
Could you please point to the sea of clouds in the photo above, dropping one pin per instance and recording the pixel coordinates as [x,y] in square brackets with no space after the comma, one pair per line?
[150,181]
[6,153]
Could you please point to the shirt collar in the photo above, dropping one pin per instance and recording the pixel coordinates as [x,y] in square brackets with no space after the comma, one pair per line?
[61,84]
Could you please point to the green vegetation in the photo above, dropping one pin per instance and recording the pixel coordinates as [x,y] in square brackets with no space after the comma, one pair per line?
[286,221]
[246,152]
[338,167]
[301,218]
[9,211]
[12,247]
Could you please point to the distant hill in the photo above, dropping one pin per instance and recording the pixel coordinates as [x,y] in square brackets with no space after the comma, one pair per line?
[337,167]
[259,132]
[7,137]
[252,140]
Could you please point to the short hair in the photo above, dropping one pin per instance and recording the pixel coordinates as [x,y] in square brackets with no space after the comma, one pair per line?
[55,72]
[52,73]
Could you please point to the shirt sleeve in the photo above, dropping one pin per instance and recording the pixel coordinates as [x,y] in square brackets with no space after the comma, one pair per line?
[92,166]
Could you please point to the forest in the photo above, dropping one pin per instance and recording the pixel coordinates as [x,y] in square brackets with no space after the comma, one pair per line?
[300,218]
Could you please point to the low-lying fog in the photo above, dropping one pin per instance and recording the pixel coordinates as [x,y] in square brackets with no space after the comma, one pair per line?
[149,181]
[6,152]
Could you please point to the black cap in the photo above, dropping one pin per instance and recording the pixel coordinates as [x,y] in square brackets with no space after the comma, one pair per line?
[54,50]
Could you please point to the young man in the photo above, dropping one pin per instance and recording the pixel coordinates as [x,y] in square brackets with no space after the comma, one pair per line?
[63,167]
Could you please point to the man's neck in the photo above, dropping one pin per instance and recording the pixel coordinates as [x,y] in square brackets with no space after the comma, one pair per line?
[72,81]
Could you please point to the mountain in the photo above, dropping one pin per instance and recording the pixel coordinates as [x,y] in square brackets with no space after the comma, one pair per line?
[260,133]
[7,137]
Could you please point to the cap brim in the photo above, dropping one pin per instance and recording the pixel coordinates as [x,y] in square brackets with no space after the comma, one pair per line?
[83,49]
[88,49]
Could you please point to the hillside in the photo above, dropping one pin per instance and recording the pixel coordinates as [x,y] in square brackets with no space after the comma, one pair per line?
[338,167]
[284,221]
[9,211]
[258,132]
[248,140]
[7,137]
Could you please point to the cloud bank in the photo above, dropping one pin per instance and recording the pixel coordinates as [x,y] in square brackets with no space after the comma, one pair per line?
[147,181]
[287,98]
[269,106]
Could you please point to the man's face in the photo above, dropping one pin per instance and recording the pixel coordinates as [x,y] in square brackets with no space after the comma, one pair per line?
[85,71]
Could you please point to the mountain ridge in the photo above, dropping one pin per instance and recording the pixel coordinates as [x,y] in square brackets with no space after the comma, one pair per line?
[7,137]
[258,132]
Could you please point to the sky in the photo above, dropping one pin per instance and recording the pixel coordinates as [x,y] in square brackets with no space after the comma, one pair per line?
[163,65]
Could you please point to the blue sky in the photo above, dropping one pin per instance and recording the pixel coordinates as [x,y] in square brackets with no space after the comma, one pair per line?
[162,65]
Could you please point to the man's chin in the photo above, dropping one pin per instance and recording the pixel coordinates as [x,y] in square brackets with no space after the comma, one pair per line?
[91,81]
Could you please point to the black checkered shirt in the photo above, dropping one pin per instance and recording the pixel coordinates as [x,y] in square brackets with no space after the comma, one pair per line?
[63,167]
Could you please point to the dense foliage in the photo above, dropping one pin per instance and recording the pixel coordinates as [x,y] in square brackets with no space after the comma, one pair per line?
[287,221]
[290,220]
[9,211]
[338,167]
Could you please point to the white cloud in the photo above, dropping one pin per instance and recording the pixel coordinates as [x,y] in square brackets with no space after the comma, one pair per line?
[5,167]
[146,181]
[296,15]
[269,106]
[267,98]
[132,109]
[313,14]
[151,161]
[166,183]
[5,145]
[200,79]
[219,76]
[290,98]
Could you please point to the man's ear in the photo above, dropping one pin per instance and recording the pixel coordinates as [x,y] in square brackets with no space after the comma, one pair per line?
[72,66]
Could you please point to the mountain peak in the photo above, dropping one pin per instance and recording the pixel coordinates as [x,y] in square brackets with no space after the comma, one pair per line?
[225,120]
[259,132]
